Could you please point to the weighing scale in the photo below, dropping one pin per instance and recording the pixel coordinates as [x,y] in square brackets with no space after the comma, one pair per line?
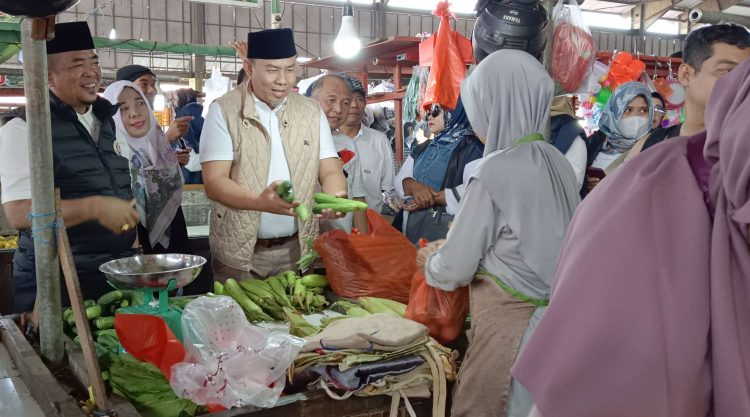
[151,274]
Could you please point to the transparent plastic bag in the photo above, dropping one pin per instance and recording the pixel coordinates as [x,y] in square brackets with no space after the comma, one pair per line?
[573,48]
[230,361]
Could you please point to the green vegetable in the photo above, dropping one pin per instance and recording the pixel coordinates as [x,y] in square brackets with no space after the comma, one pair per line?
[77,340]
[93,312]
[325,201]
[278,288]
[302,212]
[103,323]
[379,305]
[284,190]
[314,280]
[105,333]
[252,310]
[291,278]
[349,308]
[124,303]
[67,315]
[182,302]
[108,342]
[261,294]
[110,298]
[89,303]
[147,389]
[299,326]
[218,288]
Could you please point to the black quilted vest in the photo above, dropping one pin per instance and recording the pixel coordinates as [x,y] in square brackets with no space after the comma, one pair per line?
[83,168]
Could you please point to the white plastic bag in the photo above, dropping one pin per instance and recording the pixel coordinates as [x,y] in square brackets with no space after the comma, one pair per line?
[215,87]
[228,360]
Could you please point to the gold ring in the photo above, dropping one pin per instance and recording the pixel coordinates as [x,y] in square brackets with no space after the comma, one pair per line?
[125,227]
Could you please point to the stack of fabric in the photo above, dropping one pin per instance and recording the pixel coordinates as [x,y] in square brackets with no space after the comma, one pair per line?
[374,355]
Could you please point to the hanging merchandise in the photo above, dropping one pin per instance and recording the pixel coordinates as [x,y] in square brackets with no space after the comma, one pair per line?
[215,87]
[411,98]
[624,68]
[448,67]
[573,49]
[427,49]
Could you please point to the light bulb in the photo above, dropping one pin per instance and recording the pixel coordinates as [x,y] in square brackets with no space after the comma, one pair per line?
[159,102]
[347,43]
[113,34]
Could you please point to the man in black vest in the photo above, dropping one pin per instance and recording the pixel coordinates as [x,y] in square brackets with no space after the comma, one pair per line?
[94,181]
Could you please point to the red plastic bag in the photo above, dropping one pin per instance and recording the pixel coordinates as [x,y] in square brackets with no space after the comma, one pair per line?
[443,312]
[448,68]
[573,49]
[149,339]
[377,264]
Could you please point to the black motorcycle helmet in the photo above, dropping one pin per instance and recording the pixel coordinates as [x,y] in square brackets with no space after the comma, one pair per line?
[509,24]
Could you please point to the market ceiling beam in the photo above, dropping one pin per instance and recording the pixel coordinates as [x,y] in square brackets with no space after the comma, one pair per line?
[647,13]
[10,34]
[710,5]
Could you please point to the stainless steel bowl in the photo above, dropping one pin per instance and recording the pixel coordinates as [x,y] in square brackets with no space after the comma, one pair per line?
[152,271]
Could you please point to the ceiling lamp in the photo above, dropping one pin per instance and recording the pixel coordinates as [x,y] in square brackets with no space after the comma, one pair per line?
[347,43]
[113,34]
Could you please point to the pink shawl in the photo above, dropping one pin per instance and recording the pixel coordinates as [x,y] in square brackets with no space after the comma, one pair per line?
[650,307]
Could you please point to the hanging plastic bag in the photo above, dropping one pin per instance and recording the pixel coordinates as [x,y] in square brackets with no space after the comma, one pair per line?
[442,312]
[448,68]
[377,264]
[229,361]
[215,87]
[149,339]
[573,48]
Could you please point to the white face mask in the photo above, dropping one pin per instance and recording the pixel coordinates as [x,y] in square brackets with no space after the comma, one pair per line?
[634,127]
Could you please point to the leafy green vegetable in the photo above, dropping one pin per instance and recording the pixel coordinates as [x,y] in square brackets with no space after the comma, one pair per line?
[146,388]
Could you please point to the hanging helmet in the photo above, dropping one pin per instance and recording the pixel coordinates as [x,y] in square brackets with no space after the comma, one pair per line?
[509,24]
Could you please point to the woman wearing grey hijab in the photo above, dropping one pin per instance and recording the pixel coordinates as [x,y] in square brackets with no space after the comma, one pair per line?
[507,235]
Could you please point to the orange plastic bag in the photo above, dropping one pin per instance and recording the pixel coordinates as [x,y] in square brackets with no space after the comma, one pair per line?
[443,312]
[377,264]
[448,68]
[149,339]
[427,49]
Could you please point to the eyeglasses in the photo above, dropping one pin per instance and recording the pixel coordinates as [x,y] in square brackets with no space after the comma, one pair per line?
[660,110]
[434,111]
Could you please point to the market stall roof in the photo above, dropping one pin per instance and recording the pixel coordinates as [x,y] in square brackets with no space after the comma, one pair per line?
[10,44]
[376,58]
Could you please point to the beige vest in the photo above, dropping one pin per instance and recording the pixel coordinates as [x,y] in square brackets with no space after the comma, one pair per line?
[234,232]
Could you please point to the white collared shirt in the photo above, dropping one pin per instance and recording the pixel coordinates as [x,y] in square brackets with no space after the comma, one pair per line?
[375,160]
[15,170]
[216,145]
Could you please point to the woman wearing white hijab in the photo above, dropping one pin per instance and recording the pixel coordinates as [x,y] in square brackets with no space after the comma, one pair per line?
[507,235]
[154,170]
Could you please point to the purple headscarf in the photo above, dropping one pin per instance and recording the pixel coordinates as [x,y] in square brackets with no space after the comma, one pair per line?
[728,151]
[650,307]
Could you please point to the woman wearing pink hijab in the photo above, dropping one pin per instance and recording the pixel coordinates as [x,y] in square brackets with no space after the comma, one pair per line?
[652,319]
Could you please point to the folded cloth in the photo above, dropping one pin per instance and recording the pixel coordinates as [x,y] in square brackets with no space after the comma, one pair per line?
[376,332]
[357,377]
